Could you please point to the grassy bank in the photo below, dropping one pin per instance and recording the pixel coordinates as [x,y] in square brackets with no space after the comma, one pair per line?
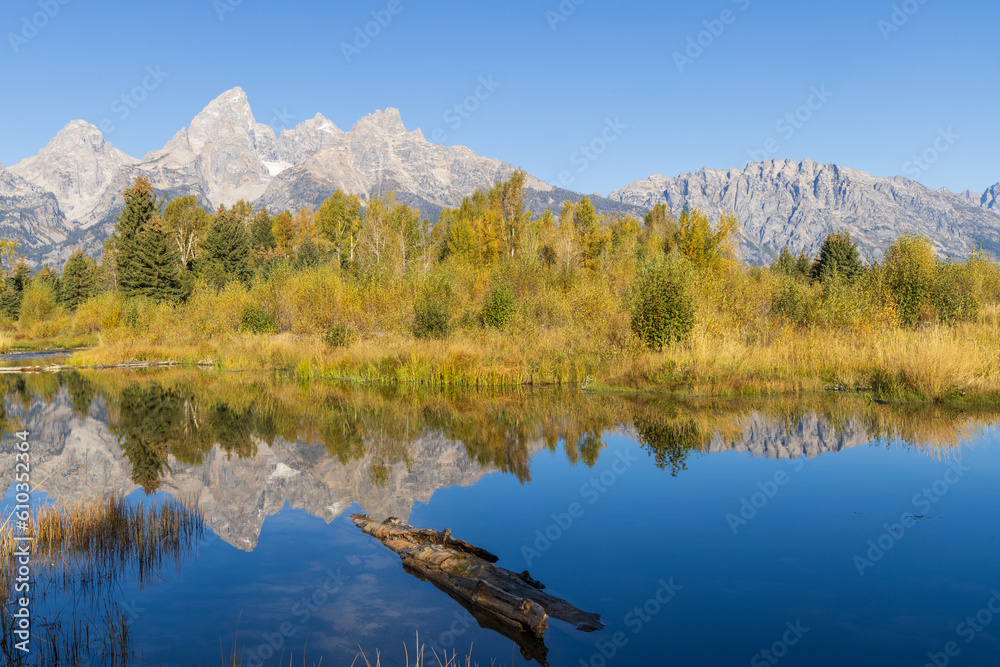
[932,363]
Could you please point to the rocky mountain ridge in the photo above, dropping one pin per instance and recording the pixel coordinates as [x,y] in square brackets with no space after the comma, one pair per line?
[69,194]
[783,202]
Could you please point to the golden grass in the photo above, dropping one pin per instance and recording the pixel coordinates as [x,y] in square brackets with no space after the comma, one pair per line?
[932,363]
[570,328]
[103,537]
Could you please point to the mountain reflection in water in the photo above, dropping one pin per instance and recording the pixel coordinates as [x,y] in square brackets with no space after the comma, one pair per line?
[236,449]
[244,446]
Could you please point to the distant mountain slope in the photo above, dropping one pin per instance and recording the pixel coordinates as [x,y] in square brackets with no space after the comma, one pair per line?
[781,202]
[30,214]
[69,195]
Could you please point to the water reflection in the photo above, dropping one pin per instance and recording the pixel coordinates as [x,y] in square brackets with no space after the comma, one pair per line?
[242,446]
[71,563]
[237,448]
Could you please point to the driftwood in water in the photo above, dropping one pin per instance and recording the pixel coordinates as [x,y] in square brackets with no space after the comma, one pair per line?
[514,602]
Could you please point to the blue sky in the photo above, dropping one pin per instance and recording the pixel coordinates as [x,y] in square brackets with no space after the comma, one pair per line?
[665,87]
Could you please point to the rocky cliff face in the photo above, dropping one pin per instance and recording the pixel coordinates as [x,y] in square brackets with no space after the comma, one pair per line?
[989,200]
[78,167]
[30,215]
[378,155]
[781,202]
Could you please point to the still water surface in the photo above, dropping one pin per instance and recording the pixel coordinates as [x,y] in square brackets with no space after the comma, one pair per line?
[811,532]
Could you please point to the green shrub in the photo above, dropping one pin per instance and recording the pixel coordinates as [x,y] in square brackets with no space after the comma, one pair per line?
[338,335]
[791,301]
[38,302]
[956,297]
[130,316]
[911,273]
[256,320]
[663,311]
[431,319]
[499,307]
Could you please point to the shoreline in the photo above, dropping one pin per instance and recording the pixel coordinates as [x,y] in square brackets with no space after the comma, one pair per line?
[683,371]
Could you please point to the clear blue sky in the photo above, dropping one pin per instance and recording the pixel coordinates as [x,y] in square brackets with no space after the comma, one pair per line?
[893,91]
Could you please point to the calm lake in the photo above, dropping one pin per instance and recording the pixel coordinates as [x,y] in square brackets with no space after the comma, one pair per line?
[820,531]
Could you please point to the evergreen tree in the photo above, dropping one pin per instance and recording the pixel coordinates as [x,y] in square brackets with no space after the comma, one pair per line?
[838,255]
[262,232]
[146,264]
[77,283]
[48,276]
[803,264]
[13,289]
[307,255]
[228,246]
[785,263]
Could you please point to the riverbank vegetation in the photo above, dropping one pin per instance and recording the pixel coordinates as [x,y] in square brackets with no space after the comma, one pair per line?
[493,295]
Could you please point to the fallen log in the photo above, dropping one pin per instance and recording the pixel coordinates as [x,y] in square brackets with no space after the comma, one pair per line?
[468,573]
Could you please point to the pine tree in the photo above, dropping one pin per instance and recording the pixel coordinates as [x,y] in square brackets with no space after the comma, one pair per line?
[146,264]
[77,284]
[160,267]
[47,275]
[228,246]
[838,255]
[785,263]
[803,264]
[262,232]
[13,289]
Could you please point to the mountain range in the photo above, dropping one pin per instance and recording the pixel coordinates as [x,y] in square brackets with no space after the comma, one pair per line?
[69,194]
